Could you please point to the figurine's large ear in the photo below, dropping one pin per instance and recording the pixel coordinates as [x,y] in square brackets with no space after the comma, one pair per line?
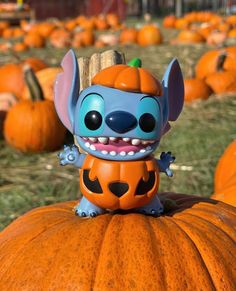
[66,90]
[173,91]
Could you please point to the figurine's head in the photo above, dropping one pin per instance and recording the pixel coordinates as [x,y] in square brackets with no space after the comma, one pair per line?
[123,115]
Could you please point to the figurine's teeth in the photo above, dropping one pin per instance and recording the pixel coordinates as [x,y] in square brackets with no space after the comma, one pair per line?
[144,142]
[93,139]
[126,139]
[148,148]
[135,141]
[123,153]
[131,153]
[142,151]
[85,138]
[113,138]
[113,153]
[87,144]
[92,147]
[104,152]
[103,140]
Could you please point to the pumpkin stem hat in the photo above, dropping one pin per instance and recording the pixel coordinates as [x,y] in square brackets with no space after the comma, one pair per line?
[130,78]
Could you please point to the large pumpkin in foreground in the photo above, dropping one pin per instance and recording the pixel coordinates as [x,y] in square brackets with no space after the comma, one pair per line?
[191,247]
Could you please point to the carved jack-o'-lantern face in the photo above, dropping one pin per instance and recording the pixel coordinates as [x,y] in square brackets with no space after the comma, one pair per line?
[119,185]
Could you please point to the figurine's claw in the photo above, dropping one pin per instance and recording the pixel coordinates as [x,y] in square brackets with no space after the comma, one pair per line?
[86,208]
[154,208]
[69,155]
[164,163]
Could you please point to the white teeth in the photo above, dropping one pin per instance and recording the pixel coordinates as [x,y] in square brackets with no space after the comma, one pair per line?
[85,138]
[145,142]
[87,144]
[142,151]
[126,139]
[113,153]
[93,139]
[135,141]
[148,148]
[123,153]
[103,140]
[92,147]
[113,138]
[104,152]
[131,153]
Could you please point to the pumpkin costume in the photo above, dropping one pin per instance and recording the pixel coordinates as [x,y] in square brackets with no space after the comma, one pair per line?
[130,184]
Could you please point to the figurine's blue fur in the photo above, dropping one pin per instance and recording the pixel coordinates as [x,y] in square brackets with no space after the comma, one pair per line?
[119,115]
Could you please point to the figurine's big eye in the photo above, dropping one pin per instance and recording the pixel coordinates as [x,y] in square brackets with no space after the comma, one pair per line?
[147,122]
[93,120]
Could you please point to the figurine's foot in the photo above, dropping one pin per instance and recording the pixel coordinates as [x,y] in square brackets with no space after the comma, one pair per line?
[86,208]
[154,208]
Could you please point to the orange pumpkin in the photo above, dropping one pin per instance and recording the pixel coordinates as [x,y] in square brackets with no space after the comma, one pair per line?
[19,47]
[33,125]
[34,40]
[192,244]
[60,38]
[128,78]
[113,20]
[207,63]
[222,81]
[169,21]
[46,78]
[45,29]
[226,167]
[232,33]
[227,194]
[231,20]
[139,180]
[189,36]
[101,22]
[83,38]
[149,34]
[195,89]
[181,23]
[128,35]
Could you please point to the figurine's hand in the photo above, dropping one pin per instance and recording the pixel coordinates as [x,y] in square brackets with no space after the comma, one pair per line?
[165,161]
[69,155]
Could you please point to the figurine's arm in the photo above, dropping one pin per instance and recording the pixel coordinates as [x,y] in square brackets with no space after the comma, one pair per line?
[164,163]
[71,155]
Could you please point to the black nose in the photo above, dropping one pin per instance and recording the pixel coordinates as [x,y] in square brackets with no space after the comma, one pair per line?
[121,121]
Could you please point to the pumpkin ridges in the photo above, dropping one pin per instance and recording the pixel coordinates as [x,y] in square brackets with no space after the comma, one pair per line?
[198,231]
[113,72]
[131,84]
[152,82]
[129,236]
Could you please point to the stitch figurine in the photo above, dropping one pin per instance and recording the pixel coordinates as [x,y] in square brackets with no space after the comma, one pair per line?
[118,121]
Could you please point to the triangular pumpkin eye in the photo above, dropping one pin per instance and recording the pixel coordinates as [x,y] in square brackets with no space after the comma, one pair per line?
[92,185]
[144,187]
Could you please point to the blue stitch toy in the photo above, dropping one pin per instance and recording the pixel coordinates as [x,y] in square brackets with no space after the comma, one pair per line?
[118,121]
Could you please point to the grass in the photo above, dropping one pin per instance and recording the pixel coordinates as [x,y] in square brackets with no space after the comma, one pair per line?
[197,140]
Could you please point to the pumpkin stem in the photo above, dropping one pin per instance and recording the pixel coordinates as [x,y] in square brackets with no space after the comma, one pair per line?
[220,61]
[136,62]
[36,92]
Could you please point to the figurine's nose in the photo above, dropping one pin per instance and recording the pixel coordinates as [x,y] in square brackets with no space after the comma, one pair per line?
[121,121]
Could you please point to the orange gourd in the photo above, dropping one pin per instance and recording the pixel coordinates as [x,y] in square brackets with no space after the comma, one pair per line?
[19,47]
[196,89]
[34,40]
[169,21]
[189,36]
[33,125]
[60,38]
[191,246]
[232,33]
[128,36]
[46,78]
[128,78]
[149,34]
[226,167]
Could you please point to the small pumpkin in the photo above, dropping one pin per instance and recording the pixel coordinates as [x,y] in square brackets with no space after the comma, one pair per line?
[169,21]
[101,22]
[195,89]
[128,35]
[45,29]
[232,33]
[60,38]
[129,78]
[192,244]
[113,20]
[226,167]
[34,40]
[19,47]
[149,34]
[83,38]
[46,78]
[182,23]
[189,36]
[222,81]
[33,125]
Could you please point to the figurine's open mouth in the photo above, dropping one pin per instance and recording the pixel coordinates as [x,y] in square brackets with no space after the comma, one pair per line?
[118,145]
